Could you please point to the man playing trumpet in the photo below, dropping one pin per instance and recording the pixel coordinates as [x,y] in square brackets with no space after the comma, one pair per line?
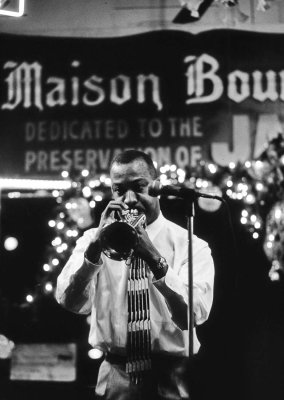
[138,306]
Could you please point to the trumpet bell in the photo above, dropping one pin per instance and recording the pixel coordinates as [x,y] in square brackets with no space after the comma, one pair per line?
[118,240]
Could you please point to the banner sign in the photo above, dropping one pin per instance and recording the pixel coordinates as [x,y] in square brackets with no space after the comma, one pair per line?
[69,104]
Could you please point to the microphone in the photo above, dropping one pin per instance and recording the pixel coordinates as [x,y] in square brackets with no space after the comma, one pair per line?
[156,188]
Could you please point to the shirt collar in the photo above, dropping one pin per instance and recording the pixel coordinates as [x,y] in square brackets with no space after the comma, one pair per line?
[154,228]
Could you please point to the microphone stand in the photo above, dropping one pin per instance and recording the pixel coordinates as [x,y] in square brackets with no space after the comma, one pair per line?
[190,314]
[189,195]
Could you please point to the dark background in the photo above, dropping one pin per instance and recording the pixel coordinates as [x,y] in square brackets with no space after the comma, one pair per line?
[242,342]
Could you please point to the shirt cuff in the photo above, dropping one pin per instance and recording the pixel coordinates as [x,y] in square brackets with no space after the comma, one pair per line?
[94,266]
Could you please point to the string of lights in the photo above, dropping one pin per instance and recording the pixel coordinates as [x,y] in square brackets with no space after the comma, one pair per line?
[256,184]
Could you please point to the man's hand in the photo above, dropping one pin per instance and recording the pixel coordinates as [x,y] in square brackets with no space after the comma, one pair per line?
[148,252]
[94,250]
[108,215]
[145,248]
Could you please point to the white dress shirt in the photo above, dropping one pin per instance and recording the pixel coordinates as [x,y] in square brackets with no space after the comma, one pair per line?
[107,290]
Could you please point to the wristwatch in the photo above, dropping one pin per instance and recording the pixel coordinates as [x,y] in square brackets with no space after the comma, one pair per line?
[162,263]
[160,269]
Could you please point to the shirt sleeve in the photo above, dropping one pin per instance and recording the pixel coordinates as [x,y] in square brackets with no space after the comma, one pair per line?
[86,275]
[175,283]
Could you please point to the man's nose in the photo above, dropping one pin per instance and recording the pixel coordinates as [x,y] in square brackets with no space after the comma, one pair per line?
[130,198]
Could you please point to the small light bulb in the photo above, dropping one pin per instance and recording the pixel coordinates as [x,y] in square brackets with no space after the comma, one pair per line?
[86,191]
[85,173]
[108,182]
[163,178]
[29,298]
[48,287]
[64,174]
[92,204]
[46,267]
[11,243]
[198,183]
[259,186]
[68,206]
[274,276]
[57,241]
[250,199]
[257,225]
[253,218]
[278,213]
[259,164]
[181,172]
[212,168]
[60,225]
[55,193]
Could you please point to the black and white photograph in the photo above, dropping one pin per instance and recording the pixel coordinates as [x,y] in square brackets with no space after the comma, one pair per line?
[141,199]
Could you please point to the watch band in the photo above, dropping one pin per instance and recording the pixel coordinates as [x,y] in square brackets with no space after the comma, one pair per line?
[160,269]
[162,263]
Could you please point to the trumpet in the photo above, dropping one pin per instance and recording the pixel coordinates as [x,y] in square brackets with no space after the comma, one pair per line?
[119,238]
